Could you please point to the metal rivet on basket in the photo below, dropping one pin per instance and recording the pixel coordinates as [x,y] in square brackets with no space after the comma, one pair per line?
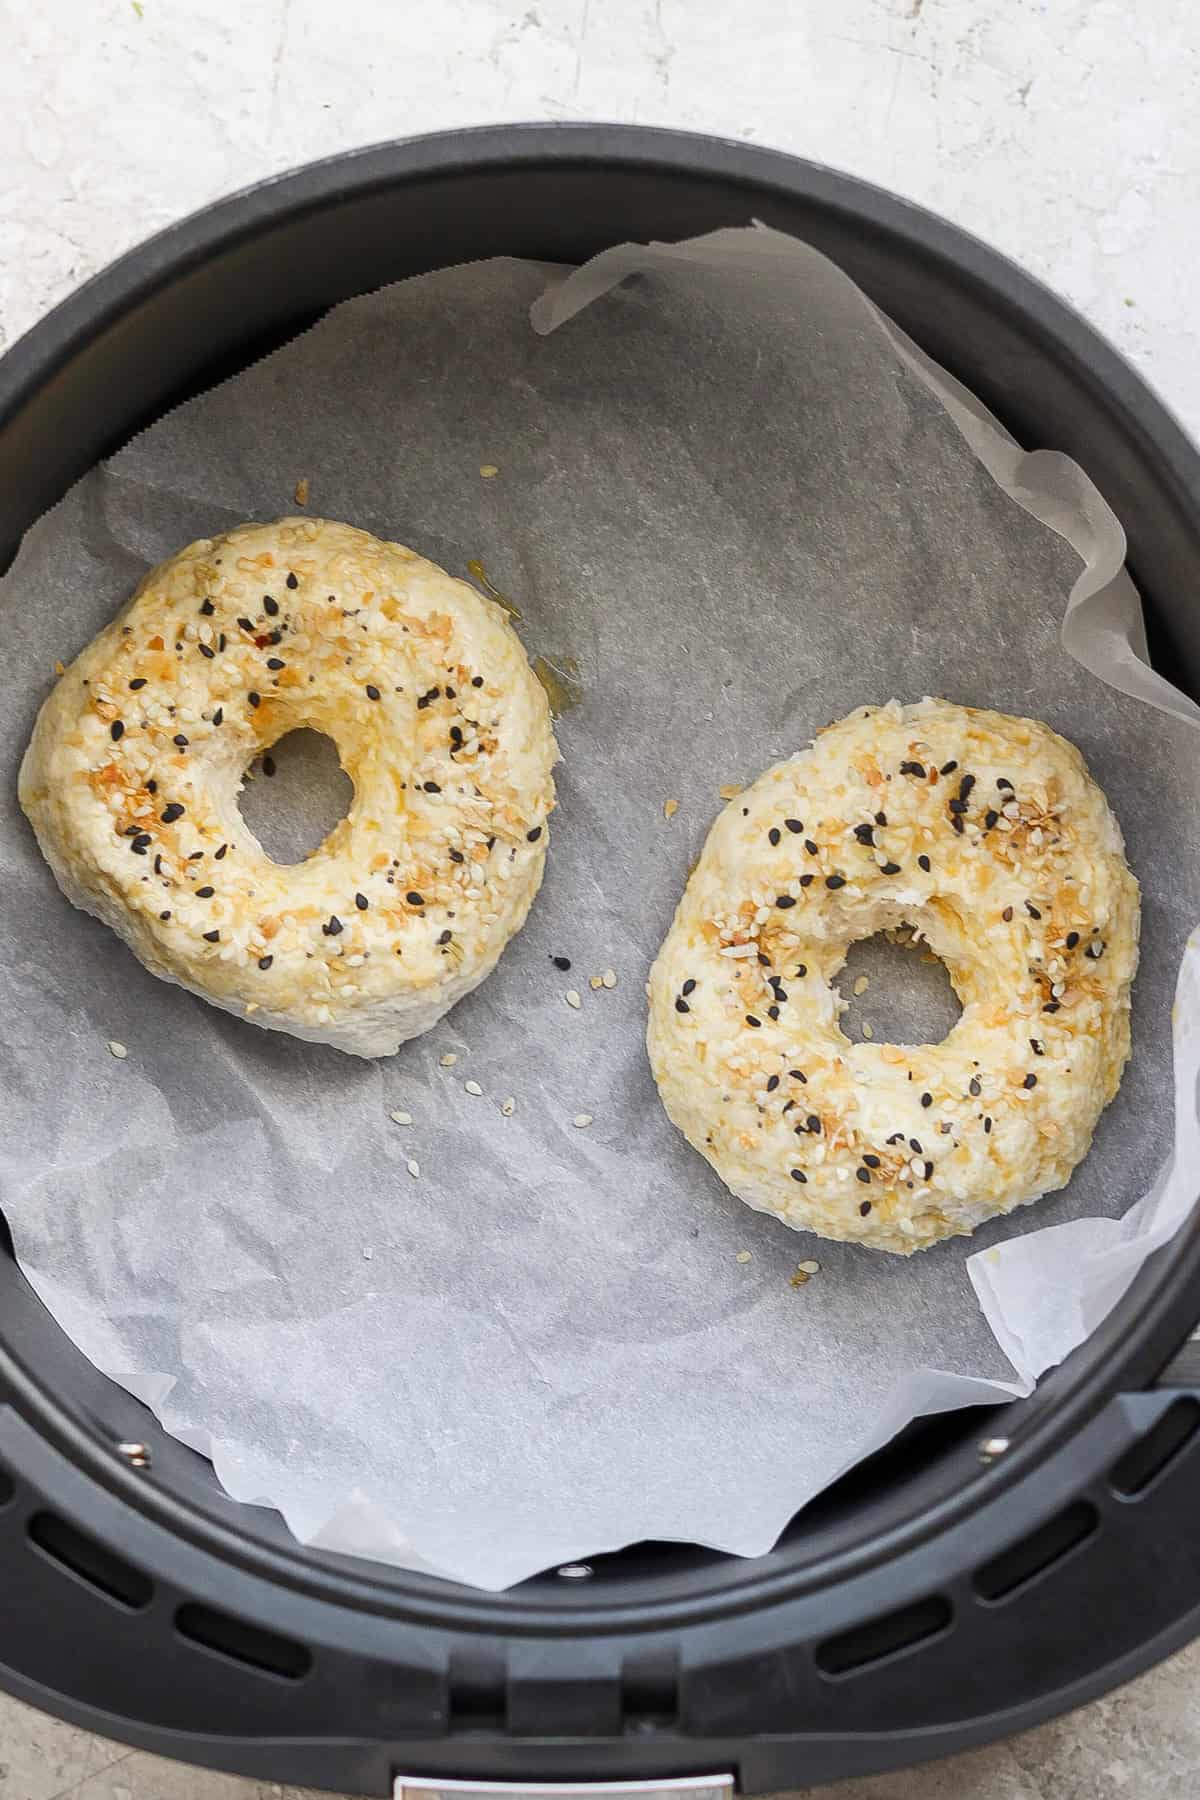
[136,1455]
[576,1571]
[991,1448]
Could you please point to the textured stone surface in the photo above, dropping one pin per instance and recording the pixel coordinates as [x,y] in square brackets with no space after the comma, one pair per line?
[1067,132]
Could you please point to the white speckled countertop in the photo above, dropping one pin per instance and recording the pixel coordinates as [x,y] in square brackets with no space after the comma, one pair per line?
[1067,132]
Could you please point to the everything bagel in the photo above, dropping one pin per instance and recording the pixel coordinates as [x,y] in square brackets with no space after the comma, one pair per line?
[132,776]
[986,836]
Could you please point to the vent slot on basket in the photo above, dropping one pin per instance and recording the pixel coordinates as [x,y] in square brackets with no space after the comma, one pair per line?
[1147,1459]
[8,1486]
[888,1635]
[1038,1551]
[242,1643]
[90,1562]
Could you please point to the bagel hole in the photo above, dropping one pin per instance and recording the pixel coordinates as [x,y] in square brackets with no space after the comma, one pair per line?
[908,998]
[294,795]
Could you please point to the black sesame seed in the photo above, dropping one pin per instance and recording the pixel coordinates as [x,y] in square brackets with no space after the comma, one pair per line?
[864,1208]
[206,650]
[158,865]
[1032,910]
[477,681]
[1072,939]
[264,962]
[784,900]
[801,971]
[205,893]
[799,1175]
[564,963]
[957,806]
[807,880]
[431,787]
[772,1012]
[180,740]
[116,731]
[948,768]
[835,881]
[361,901]
[865,834]
[813,849]
[195,856]
[164,915]
[172,812]
[218,716]
[334,927]
[881,818]
[924,863]
[291,580]
[253,698]
[989,818]
[219,855]
[246,624]
[276,662]
[863,1174]
[451,694]
[928,1170]
[414,899]
[207,608]
[1002,781]
[914,1145]
[689,986]
[987,1125]
[212,937]
[531,837]
[152,787]
[139,681]
[913,768]
[751,1020]
[956,821]
[1035,1044]
[795,826]
[456,856]
[268,765]
[889,868]
[141,843]
[1052,1006]
[814,1124]
[774,835]
[681,1004]
[270,607]
[871,1160]
[965,786]
[974,1087]
[1007,914]
[372,691]
[926,1099]
[772,1084]
[798,1075]
[1030,1081]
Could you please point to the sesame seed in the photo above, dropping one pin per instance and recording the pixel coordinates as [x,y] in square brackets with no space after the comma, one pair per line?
[670,808]
[989,818]
[751,1020]
[774,835]
[987,1125]
[219,855]
[361,901]
[456,856]
[270,607]
[333,927]
[1002,781]
[813,849]
[948,768]
[743,1256]
[928,1167]
[180,741]
[445,936]
[564,963]
[477,681]
[864,1208]
[291,580]
[862,984]
[264,962]
[531,837]
[572,999]
[889,868]
[813,1124]
[926,1099]
[164,916]
[116,731]
[1072,939]
[218,716]
[253,698]
[865,835]
[795,826]
[609,978]
[1007,914]
[924,863]
[689,986]
[863,1174]
[809,1268]
[413,898]
[1035,1044]
[581,1121]
[772,1084]
[401,1118]
[206,650]
[835,881]
[413,1167]
[798,1175]
[207,608]
[1032,910]
[473,1087]
[871,1160]
[139,681]
[211,937]
[448,1060]
[913,768]
[1030,1081]
[974,1087]
[784,901]
[205,893]
[372,691]
[881,818]
[117,1049]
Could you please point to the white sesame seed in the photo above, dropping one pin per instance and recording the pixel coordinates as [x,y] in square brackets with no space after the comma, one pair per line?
[743,1256]
[472,1087]
[862,984]
[448,1061]
[809,1268]
[508,1107]
[117,1049]
[609,978]
[572,999]
[867,1031]
[581,1121]
[401,1118]
[414,1167]
[595,981]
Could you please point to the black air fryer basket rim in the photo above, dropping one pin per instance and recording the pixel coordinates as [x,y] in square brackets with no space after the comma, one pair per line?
[1142,1332]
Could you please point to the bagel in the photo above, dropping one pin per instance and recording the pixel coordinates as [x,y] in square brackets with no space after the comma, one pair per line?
[986,836]
[132,775]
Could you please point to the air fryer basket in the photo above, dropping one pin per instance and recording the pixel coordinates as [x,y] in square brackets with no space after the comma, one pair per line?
[982,1573]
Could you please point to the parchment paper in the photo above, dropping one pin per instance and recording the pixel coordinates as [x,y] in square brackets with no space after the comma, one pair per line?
[744,504]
